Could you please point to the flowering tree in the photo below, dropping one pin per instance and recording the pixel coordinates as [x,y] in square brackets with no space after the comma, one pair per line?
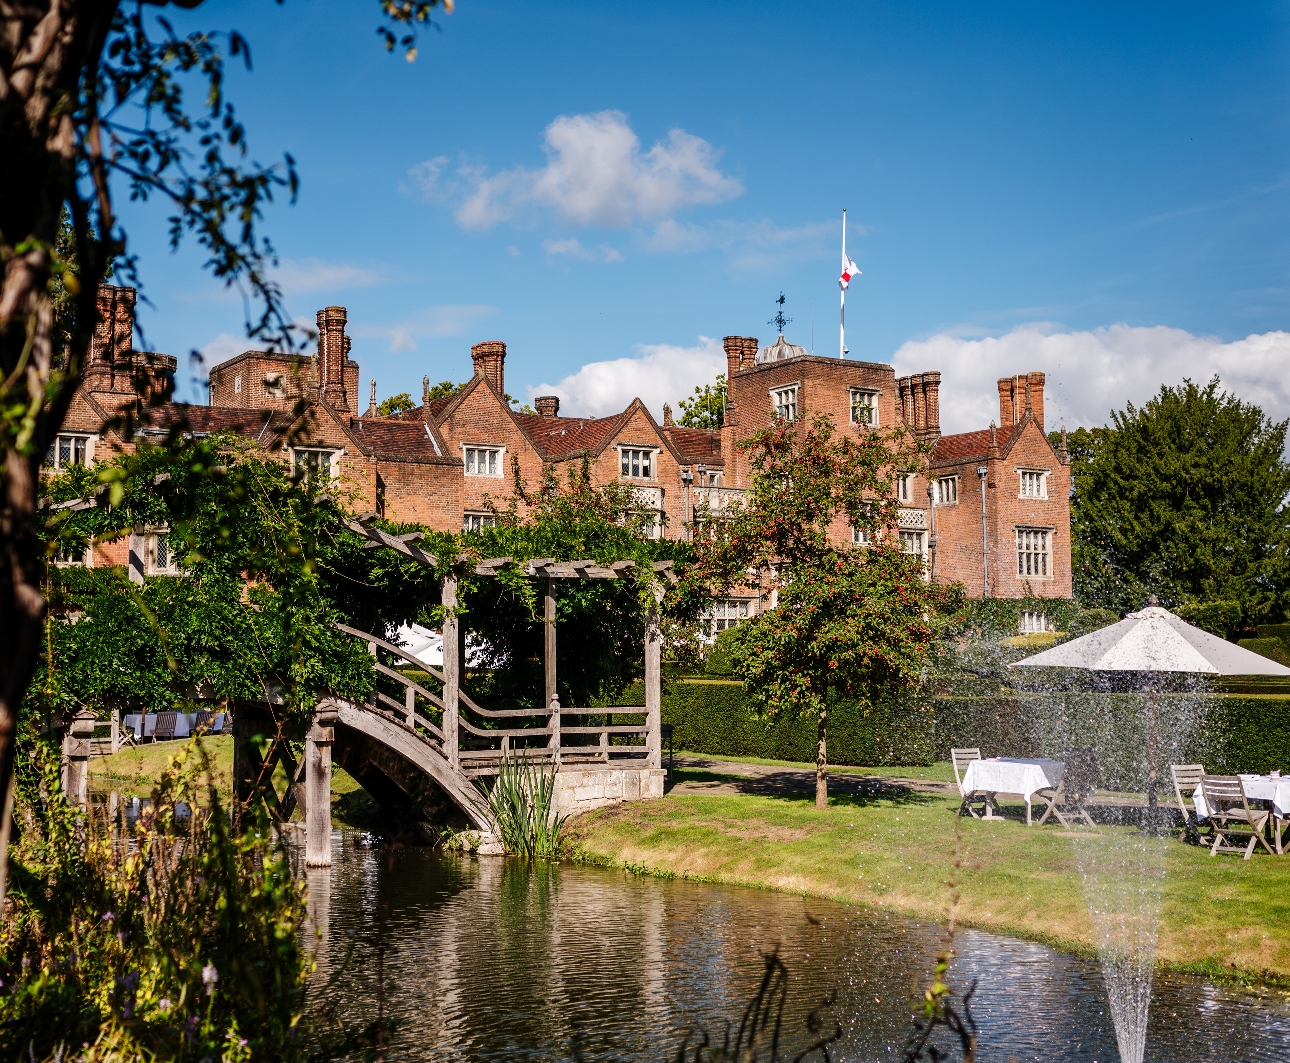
[853,614]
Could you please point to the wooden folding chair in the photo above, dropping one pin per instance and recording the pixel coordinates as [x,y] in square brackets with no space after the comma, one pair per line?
[1186,778]
[961,758]
[1069,801]
[166,723]
[1231,816]
[204,723]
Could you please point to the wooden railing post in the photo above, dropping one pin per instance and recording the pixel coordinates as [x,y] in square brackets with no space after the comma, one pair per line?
[654,685]
[410,703]
[451,673]
[553,742]
[318,742]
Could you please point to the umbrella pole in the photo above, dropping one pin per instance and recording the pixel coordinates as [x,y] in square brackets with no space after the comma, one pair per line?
[1152,803]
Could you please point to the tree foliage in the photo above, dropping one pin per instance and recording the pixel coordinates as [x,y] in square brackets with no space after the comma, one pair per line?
[706,408]
[857,618]
[1186,499]
[399,403]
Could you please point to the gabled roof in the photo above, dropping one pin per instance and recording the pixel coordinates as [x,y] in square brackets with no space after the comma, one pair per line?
[260,426]
[975,446]
[695,445]
[560,438]
[397,440]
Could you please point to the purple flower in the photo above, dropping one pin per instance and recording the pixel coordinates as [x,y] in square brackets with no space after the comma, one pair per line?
[108,917]
[164,1003]
[210,976]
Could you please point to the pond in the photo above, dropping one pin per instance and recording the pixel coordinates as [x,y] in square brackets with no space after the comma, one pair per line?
[484,959]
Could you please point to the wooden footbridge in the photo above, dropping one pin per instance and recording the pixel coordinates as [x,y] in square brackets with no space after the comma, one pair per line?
[421,742]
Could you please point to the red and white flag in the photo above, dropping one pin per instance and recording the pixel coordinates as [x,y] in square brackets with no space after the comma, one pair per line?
[849,270]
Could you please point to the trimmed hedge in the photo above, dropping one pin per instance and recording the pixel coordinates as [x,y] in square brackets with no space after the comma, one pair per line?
[717,717]
[1226,733]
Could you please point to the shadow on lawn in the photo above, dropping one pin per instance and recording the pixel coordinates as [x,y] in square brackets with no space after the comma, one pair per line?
[852,790]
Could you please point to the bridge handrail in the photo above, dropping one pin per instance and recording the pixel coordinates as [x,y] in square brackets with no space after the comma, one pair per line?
[393,674]
[504,732]
[391,648]
[402,717]
[613,729]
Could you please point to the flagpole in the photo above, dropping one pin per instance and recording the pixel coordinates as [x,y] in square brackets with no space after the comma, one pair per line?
[842,329]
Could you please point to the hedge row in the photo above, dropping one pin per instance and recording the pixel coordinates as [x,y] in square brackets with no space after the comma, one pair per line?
[1226,733]
[717,717]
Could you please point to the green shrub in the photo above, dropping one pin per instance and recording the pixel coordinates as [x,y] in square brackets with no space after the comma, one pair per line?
[719,661]
[718,717]
[522,802]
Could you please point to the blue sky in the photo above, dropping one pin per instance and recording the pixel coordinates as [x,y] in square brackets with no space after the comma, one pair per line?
[1098,192]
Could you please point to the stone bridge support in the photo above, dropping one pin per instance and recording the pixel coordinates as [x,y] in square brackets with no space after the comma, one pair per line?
[75,766]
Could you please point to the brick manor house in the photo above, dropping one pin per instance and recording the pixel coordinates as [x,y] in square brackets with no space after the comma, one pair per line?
[996,517]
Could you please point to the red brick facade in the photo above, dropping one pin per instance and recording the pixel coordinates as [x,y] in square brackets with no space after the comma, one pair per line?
[449,463]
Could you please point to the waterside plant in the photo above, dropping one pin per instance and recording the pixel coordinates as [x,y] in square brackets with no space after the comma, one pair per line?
[522,803]
[173,938]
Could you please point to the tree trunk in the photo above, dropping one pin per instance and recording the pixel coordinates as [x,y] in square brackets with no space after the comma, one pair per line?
[821,760]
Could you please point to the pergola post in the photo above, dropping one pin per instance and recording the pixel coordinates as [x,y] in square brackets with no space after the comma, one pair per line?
[549,643]
[247,760]
[654,684]
[318,743]
[451,668]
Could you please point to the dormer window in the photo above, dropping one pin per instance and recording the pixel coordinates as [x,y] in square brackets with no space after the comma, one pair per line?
[864,407]
[636,463]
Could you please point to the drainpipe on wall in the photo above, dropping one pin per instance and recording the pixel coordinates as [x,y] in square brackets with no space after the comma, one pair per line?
[931,529]
[687,478]
[982,472]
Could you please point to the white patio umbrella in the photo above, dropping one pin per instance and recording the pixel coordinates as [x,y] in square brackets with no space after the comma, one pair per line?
[1150,641]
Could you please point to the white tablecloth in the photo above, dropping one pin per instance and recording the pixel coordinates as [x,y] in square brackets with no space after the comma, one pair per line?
[1012,775]
[143,727]
[1257,788]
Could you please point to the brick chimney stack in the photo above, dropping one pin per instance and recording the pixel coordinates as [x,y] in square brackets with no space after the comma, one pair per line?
[1035,387]
[333,345]
[490,358]
[1007,408]
[667,416]
[547,405]
[932,402]
[108,366]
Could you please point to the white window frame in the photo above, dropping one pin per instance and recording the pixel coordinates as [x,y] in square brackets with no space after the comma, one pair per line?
[1033,622]
[1034,555]
[275,385]
[643,456]
[237,384]
[947,490]
[54,459]
[918,538]
[158,555]
[477,520]
[905,486]
[300,466]
[858,394]
[85,559]
[492,449]
[859,537]
[726,613]
[784,401]
[1040,481]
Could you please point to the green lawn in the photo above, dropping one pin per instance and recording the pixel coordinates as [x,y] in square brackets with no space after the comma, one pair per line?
[1221,916]
[941,771]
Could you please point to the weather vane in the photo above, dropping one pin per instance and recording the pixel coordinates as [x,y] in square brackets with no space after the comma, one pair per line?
[779,320]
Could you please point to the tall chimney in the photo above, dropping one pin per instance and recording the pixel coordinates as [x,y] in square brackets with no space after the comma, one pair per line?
[667,415]
[547,405]
[734,347]
[920,402]
[1007,407]
[932,400]
[490,358]
[332,347]
[1036,381]
[107,367]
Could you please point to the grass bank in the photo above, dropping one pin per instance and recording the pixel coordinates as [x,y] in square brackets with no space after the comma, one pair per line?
[1222,917]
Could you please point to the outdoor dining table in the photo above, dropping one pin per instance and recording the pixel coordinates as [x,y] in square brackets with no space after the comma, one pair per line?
[1015,776]
[1258,788]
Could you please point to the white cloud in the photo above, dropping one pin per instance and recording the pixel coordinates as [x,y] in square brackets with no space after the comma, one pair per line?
[1091,373]
[659,373]
[574,249]
[303,276]
[223,347]
[595,174]
[431,323]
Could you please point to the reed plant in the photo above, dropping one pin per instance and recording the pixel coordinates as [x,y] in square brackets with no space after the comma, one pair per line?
[522,802]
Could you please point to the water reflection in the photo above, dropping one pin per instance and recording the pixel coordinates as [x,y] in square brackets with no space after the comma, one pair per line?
[483,959]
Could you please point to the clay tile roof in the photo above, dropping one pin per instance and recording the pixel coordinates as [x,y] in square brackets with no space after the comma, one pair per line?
[563,437]
[965,445]
[260,424]
[394,438]
[695,445]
